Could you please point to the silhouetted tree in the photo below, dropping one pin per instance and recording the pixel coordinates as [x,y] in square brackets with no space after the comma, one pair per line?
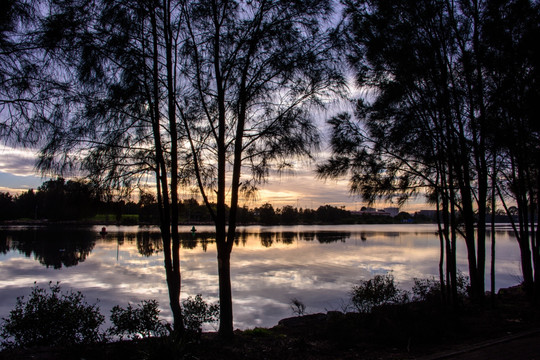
[256,71]
[510,33]
[267,214]
[148,208]
[245,215]
[423,124]
[61,200]
[121,126]
[331,214]
[32,91]
[27,205]
[289,215]
[7,206]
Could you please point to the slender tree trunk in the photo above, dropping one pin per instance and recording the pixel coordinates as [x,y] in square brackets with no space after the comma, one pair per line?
[453,241]
[172,270]
[225,293]
[524,238]
[536,244]
[477,289]
[493,212]
[481,162]
[223,248]
[441,246]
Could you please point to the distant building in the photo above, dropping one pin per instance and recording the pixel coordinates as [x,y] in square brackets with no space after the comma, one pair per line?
[393,211]
[432,214]
[371,211]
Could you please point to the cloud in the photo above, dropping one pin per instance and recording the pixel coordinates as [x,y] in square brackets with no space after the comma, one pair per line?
[19,162]
[299,187]
[17,170]
[303,189]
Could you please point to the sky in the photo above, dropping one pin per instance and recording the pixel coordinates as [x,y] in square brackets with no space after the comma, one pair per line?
[300,188]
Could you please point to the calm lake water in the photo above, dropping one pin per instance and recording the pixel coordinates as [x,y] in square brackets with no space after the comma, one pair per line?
[317,265]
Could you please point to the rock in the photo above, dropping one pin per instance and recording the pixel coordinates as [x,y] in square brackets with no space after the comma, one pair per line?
[303,321]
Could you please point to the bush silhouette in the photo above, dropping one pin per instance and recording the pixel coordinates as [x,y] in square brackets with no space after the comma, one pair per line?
[50,317]
[140,322]
[375,292]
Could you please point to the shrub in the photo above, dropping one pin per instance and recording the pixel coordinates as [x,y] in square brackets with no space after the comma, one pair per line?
[298,307]
[50,317]
[426,290]
[140,322]
[196,312]
[430,289]
[377,291]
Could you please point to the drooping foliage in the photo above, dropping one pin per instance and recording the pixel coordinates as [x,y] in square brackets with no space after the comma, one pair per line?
[33,92]
[426,121]
[173,92]
[256,71]
[120,129]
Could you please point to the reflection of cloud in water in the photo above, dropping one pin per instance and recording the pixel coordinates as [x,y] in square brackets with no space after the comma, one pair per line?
[270,266]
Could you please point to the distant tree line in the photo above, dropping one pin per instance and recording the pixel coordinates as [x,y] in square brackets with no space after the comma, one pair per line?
[79,200]
[53,200]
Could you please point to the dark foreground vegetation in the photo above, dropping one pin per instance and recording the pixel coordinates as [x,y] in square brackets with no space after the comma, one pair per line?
[380,322]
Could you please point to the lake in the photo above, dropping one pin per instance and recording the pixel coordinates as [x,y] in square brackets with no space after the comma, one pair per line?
[317,265]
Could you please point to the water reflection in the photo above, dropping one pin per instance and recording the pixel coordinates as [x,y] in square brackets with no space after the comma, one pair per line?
[149,244]
[270,265]
[51,247]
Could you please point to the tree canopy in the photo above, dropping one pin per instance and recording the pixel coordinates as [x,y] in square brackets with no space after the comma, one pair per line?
[180,93]
[434,72]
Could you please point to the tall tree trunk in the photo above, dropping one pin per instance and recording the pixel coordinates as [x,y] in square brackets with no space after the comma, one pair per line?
[452,247]
[171,107]
[441,234]
[223,252]
[524,238]
[536,240]
[172,265]
[493,212]
[225,293]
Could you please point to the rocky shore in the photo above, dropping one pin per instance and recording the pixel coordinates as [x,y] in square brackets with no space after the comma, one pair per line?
[407,331]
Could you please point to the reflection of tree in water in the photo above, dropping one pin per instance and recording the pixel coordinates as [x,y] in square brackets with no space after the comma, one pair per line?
[54,247]
[244,237]
[267,239]
[330,237]
[149,243]
[287,237]
[191,241]
[4,243]
[323,237]
[307,236]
